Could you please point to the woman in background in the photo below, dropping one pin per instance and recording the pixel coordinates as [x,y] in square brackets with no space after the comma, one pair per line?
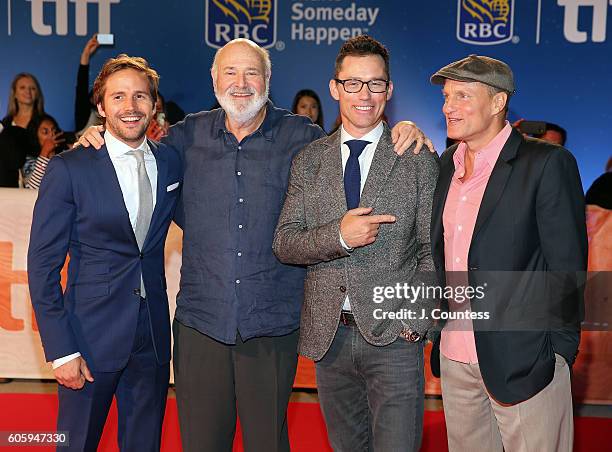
[307,103]
[18,141]
[50,141]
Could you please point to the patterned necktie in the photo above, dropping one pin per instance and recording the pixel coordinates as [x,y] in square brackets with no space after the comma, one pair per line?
[145,206]
[352,173]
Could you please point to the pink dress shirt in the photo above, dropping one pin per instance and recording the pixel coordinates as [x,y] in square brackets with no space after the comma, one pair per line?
[458,219]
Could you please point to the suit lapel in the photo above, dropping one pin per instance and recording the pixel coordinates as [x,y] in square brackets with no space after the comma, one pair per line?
[331,164]
[497,181]
[108,176]
[162,178]
[382,164]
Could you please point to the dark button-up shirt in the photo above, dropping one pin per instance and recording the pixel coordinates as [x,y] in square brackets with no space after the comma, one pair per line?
[232,196]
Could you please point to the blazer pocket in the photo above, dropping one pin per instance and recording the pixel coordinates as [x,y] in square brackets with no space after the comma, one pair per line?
[90,290]
[96,268]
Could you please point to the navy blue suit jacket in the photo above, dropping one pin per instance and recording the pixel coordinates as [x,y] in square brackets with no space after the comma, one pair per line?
[80,211]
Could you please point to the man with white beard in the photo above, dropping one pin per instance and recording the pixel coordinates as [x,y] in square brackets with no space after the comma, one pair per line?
[238,309]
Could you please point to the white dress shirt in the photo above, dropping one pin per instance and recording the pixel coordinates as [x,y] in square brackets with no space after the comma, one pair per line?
[365,161]
[127,174]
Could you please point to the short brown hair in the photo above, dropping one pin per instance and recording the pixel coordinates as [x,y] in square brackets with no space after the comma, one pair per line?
[120,63]
[362,45]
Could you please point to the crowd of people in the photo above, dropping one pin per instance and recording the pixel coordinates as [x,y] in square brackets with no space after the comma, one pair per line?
[30,136]
[285,231]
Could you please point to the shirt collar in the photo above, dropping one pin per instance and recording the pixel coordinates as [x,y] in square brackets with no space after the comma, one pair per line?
[372,136]
[490,152]
[117,148]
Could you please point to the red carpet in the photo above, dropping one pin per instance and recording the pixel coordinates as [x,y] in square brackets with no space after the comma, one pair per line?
[36,412]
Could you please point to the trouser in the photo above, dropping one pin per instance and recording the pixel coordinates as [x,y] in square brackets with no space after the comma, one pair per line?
[141,389]
[371,397]
[216,381]
[476,421]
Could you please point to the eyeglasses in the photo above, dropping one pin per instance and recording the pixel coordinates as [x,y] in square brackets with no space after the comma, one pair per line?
[352,85]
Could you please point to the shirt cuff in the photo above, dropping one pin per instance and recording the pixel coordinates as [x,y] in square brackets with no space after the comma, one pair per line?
[344,245]
[63,360]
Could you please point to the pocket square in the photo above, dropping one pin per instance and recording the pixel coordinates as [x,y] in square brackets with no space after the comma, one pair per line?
[172,186]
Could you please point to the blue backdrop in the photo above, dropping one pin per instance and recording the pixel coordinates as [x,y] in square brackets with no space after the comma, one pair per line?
[559,50]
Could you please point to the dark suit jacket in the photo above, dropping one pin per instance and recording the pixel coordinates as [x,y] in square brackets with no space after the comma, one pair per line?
[530,234]
[80,212]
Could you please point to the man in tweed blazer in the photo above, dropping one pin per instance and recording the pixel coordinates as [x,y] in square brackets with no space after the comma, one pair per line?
[358,216]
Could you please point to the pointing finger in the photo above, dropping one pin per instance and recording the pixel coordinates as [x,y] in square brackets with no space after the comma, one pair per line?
[382,219]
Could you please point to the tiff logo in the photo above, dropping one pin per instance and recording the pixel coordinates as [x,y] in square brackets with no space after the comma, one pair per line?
[570,21]
[61,16]
[8,277]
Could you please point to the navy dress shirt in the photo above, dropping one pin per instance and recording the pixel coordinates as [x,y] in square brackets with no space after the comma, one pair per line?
[232,196]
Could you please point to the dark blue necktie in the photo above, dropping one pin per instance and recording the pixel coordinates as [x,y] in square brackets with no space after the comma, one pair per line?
[352,173]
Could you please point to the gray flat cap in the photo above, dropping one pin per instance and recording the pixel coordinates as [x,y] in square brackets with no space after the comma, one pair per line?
[477,68]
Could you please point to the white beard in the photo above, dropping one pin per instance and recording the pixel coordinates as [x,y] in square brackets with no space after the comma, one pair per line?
[242,113]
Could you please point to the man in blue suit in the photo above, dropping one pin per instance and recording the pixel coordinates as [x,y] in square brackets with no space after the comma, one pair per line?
[109,332]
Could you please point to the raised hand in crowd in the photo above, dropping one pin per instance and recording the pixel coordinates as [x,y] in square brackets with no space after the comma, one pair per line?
[90,48]
[157,130]
[51,143]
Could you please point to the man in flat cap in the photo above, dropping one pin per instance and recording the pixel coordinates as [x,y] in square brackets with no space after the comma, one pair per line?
[508,216]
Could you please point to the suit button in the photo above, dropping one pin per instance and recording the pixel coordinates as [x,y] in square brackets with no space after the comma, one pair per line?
[137,292]
[342,289]
[141,256]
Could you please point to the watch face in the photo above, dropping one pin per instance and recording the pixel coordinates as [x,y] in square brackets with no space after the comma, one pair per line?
[411,336]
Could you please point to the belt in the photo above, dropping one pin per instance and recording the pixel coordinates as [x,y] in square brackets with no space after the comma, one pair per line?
[348,319]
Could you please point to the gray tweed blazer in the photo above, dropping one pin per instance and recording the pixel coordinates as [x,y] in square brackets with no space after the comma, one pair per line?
[308,233]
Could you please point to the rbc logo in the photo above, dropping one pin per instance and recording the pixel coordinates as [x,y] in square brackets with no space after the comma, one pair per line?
[231,19]
[485,22]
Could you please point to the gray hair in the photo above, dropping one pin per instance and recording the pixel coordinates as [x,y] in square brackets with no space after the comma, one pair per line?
[492,90]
